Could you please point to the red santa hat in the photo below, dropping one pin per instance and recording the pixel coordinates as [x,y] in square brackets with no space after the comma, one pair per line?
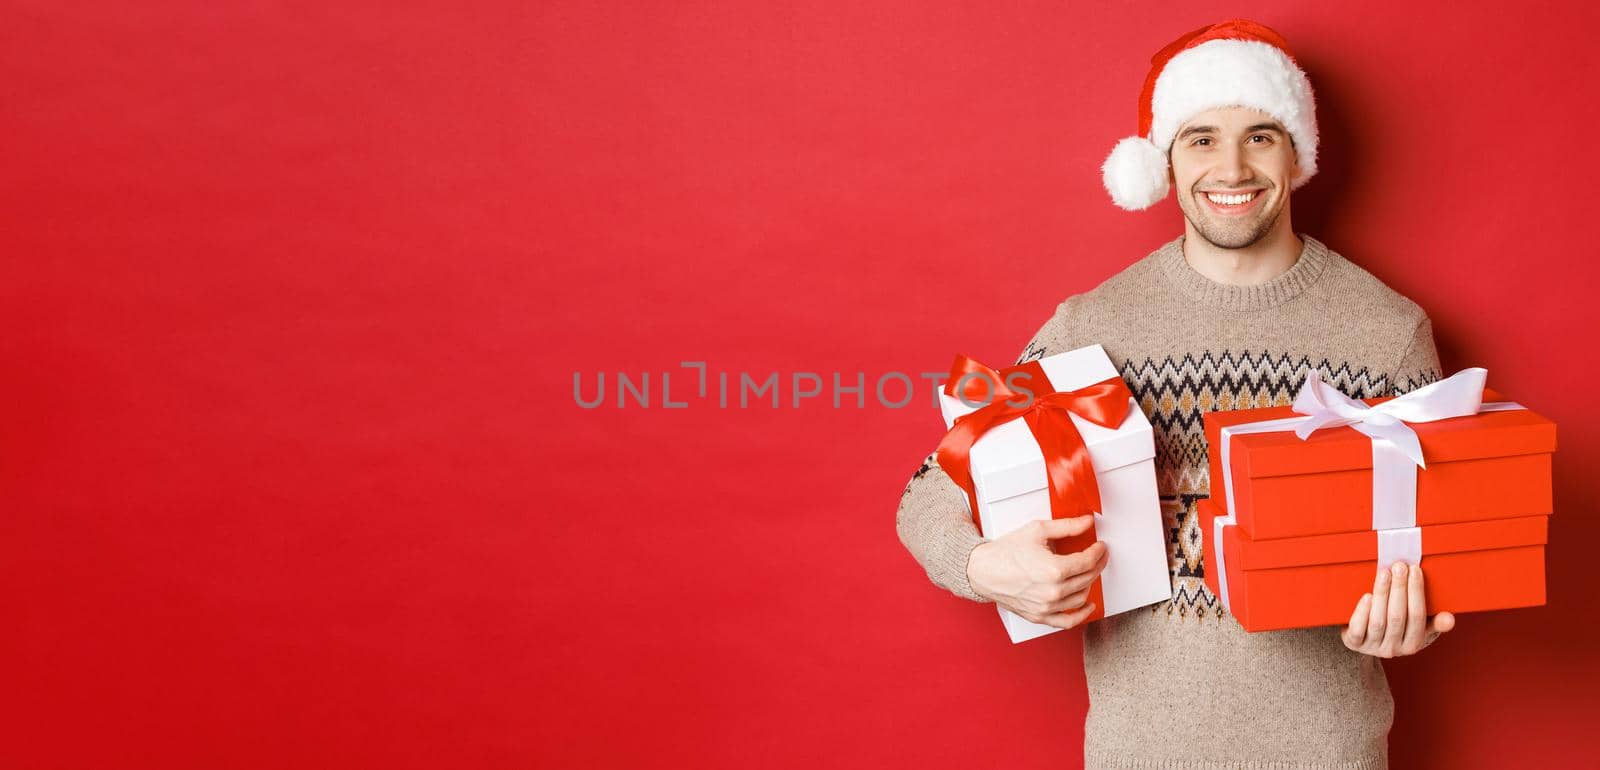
[1237,62]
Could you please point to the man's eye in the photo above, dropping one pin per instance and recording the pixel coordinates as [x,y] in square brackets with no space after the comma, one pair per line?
[1261,136]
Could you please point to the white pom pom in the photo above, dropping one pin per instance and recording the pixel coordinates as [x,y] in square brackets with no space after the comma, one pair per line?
[1135,173]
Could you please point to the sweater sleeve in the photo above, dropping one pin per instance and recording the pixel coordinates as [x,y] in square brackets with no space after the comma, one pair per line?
[934,521]
[1419,364]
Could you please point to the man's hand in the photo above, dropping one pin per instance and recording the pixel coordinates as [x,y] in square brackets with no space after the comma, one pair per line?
[1020,572]
[1393,619]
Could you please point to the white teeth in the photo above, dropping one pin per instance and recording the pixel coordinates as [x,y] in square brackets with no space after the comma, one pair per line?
[1231,200]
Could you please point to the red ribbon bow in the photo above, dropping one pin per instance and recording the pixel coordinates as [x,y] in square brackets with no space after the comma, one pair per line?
[1024,391]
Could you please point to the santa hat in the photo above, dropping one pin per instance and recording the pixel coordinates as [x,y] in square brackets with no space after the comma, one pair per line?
[1232,63]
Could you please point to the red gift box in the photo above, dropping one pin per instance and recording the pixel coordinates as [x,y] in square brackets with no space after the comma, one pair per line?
[1309,501]
[1317,580]
[1494,464]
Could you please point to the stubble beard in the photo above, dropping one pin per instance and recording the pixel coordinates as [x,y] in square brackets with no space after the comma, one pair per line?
[1226,234]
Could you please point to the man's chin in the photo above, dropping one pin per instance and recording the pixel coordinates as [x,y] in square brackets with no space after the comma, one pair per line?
[1234,236]
[1231,234]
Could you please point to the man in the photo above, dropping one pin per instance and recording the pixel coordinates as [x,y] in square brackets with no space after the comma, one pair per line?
[1234,313]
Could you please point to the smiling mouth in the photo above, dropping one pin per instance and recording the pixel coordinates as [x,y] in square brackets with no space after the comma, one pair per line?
[1232,203]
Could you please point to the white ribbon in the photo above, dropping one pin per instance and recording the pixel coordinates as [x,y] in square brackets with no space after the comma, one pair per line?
[1399,544]
[1396,451]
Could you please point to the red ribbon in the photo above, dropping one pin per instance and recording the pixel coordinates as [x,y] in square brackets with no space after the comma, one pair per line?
[1024,391]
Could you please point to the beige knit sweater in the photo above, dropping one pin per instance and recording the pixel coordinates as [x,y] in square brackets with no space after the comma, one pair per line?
[1180,684]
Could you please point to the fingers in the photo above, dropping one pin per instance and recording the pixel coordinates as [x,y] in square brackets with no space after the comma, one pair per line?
[1355,634]
[1379,608]
[1395,621]
[1062,583]
[1074,590]
[1057,528]
[1441,624]
[1081,580]
[1068,619]
[1416,613]
[1071,601]
[1087,561]
[1392,620]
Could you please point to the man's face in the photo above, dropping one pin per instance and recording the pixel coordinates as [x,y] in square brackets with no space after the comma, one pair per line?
[1234,151]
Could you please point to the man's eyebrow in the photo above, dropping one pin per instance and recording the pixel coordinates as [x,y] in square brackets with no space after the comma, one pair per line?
[1273,127]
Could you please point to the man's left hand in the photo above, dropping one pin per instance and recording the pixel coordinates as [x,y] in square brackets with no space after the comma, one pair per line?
[1393,619]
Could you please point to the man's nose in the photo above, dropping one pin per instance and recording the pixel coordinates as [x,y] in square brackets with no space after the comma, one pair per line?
[1232,169]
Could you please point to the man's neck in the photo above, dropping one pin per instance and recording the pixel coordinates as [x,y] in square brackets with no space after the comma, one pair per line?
[1257,263]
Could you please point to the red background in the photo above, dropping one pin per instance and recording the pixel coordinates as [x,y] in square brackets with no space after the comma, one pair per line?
[294,293]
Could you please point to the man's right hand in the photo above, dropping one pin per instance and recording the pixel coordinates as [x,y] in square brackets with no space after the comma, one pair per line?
[1020,572]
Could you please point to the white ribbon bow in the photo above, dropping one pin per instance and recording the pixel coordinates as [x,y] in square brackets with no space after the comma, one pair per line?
[1458,395]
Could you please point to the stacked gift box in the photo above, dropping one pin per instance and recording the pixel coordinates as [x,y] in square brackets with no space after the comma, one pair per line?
[1307,501]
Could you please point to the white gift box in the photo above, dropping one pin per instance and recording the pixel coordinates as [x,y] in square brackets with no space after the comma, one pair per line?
[1008,476]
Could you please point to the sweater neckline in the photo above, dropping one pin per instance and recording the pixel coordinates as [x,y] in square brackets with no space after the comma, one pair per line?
[1313,261]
